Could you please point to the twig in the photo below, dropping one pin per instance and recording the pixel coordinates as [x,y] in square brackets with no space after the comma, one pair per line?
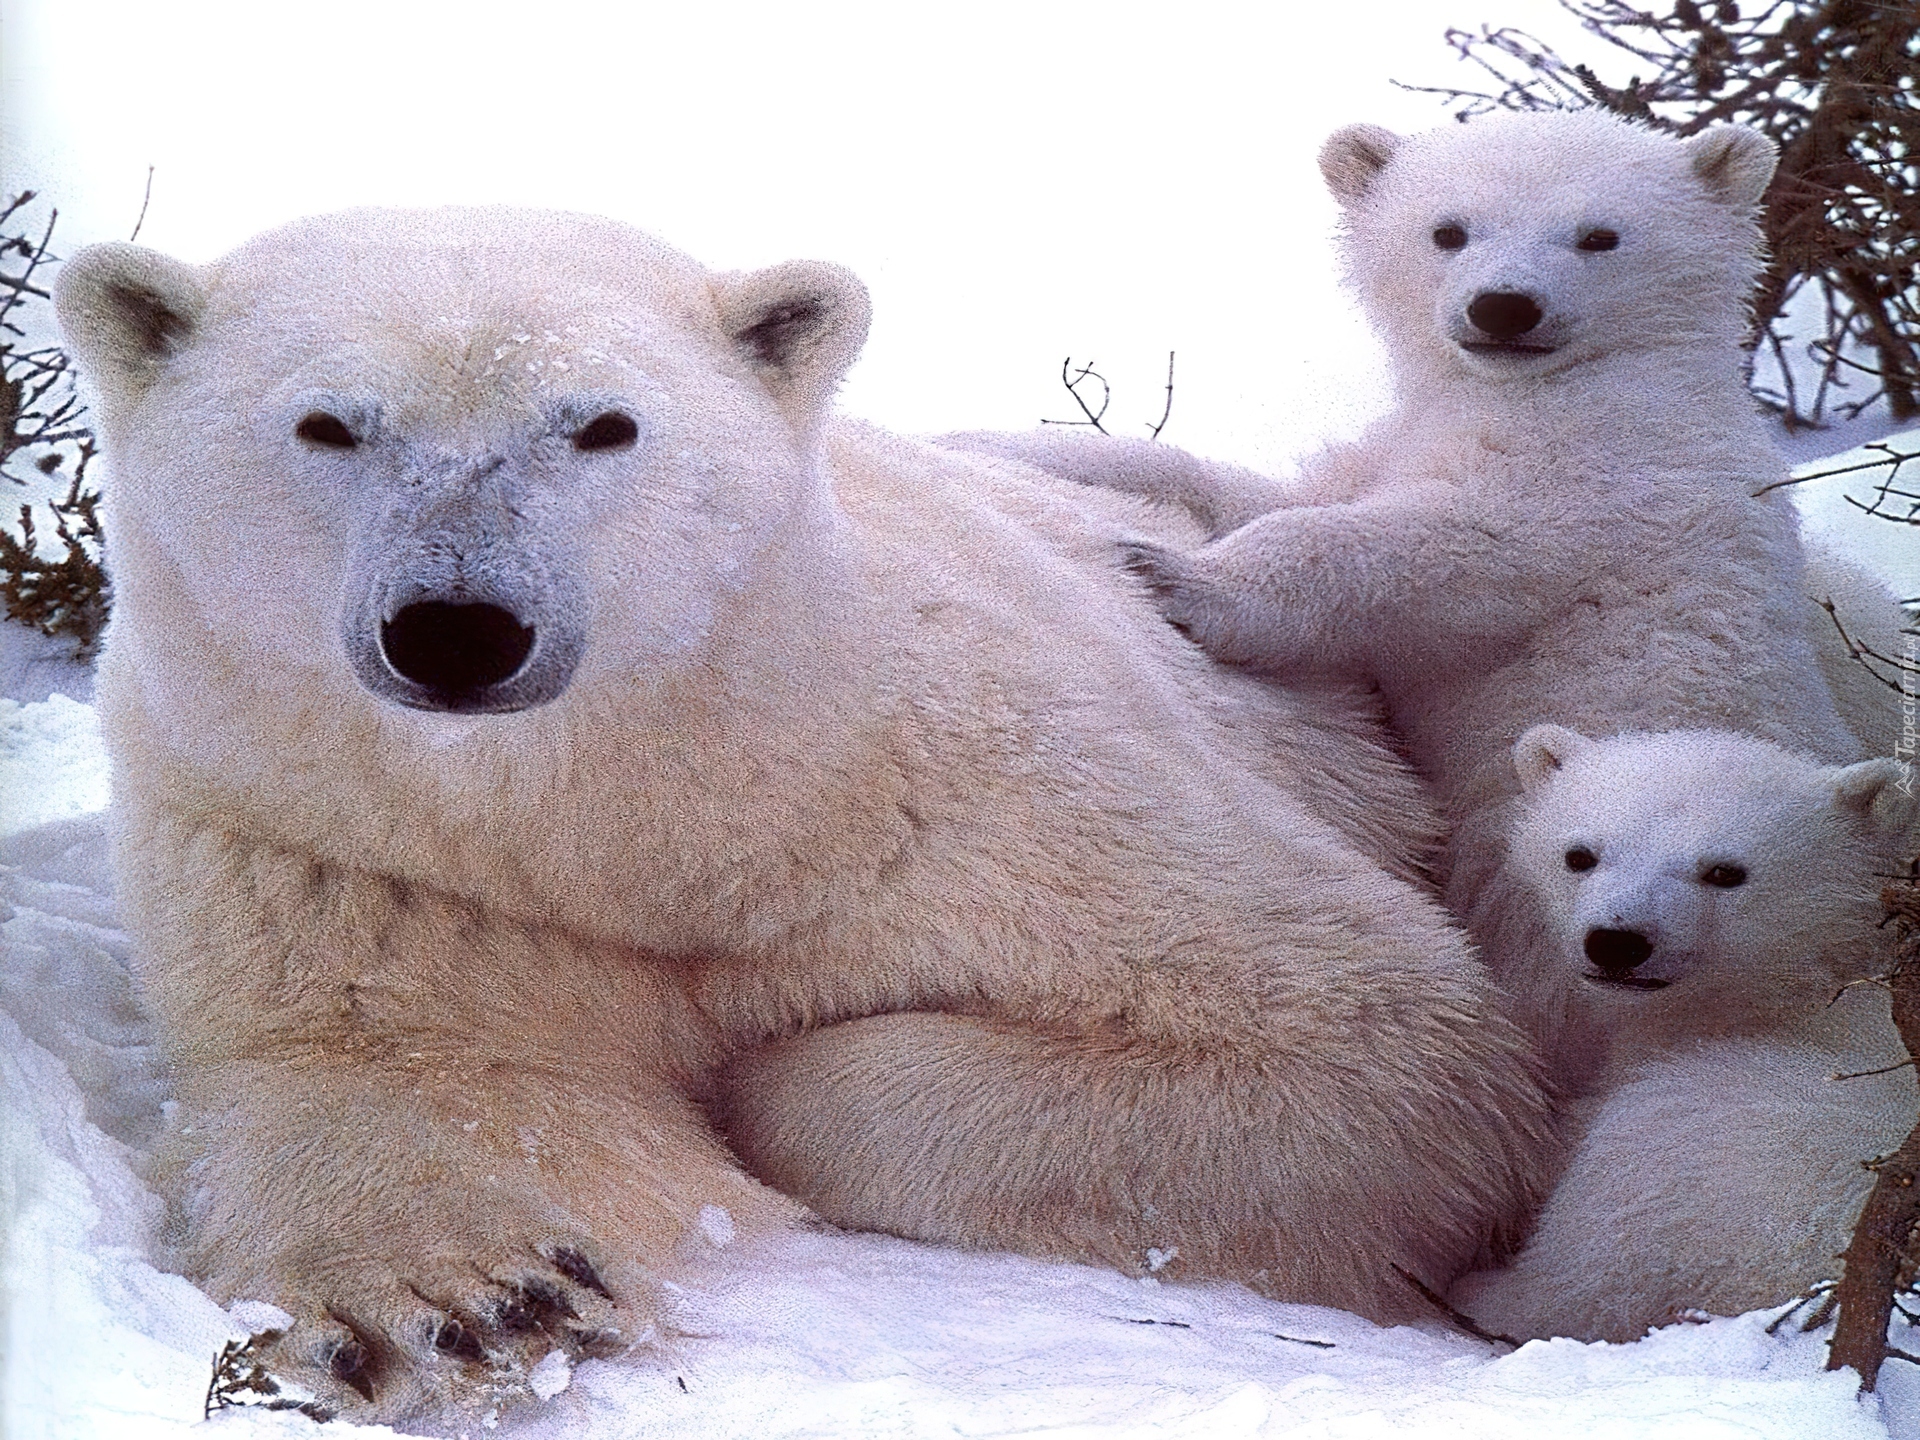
[1864,654]
[1073,380]
[144,199]
[1167,409]
[1863,1074]
[1895,458]
[1460,1318]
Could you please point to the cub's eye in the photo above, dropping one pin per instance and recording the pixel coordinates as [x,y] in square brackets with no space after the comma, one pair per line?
[610,431]
[1725,877]
[320,428]
[1597,240]
[1450,237]
[1581,858]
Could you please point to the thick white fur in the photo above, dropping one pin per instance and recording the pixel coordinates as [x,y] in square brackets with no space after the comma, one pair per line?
[878,809]
[1719,1167]
[1569,536]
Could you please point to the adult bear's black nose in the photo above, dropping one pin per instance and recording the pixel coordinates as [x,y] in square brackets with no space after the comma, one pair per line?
[1503,314]
[455,649]
[1617,951]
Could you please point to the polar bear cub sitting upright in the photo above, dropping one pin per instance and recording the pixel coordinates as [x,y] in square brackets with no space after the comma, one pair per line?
[1559,520]
[1708,895]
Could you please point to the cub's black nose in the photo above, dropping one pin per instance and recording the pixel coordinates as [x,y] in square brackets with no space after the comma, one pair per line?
[1617,951]
[1503,314]
[455,650]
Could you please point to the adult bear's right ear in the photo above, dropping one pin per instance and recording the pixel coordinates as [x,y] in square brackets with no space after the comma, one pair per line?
[1353,157]
[126,311]
[798,326]
[1542,751]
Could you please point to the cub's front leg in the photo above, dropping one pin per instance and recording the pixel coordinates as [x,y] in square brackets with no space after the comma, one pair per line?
[445,1142]
[1429,568]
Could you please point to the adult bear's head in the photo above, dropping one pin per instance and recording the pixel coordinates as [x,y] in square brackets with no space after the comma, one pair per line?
[454,459]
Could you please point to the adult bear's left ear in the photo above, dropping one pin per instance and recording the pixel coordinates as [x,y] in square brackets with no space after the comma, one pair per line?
[125,312]
[799,326]
[1735,161]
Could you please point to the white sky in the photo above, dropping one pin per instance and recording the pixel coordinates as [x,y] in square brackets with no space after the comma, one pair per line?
[1014,181]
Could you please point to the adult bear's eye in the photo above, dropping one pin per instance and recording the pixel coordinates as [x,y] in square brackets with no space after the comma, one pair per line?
[320,428]
[1581,858]
[609,431]
[1450,237]
[1597,240]
[1724,877]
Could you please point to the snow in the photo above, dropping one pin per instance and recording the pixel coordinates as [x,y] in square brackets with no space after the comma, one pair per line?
[1830,504]
[814,1335]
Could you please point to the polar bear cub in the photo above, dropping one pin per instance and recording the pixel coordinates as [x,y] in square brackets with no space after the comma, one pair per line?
[1709,896]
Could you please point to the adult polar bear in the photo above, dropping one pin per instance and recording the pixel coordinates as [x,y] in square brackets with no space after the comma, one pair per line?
[525,701]
[1558,522]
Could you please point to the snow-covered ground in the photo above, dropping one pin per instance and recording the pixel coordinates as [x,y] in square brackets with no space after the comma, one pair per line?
[817,1336]
[1831,505]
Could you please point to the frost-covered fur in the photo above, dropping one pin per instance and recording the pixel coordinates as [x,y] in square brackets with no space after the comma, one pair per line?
[527,703]
[1709,895]
[1558,522]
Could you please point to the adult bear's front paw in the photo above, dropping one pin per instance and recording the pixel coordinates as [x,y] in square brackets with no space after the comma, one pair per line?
[438,1344]
[433,1250]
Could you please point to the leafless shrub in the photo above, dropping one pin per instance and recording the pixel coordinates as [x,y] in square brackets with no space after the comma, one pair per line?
[44,435]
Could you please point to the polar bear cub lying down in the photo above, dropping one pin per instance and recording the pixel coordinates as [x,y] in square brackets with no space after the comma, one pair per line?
[1708,895]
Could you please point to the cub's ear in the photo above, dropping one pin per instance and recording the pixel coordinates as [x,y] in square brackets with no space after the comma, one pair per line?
[1542,751]
[799,325]
[1353,156]
[1880,793]
[125,312]
[1735,161]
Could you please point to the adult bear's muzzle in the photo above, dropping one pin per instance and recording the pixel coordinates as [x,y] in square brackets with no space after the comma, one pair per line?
[459,611]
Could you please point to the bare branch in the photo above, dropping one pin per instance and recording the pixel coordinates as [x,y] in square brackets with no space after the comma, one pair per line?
[1166,409]
[145,200]
[1073,380]
[1864,1074]
[1459,1318]
[1878,1254]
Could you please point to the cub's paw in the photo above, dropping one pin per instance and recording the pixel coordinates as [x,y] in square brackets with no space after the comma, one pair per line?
[1206,606]
[1170,578]
[446,1344]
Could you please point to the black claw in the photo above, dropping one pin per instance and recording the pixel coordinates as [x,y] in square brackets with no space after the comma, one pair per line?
[453,1338]
[530,1305]
[572,1264]
[351,1363]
